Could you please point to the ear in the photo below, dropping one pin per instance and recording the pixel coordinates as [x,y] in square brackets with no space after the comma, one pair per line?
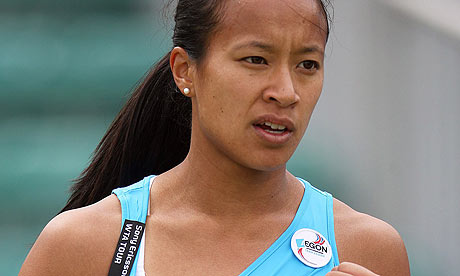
[182,69]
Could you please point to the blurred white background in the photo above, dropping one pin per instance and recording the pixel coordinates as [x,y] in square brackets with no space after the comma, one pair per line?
[386,133]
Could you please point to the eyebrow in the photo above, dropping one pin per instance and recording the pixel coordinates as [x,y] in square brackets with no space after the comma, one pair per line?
[270,48]
[312,49]
[254,44]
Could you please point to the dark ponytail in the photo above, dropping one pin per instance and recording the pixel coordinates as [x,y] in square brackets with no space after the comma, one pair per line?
[151,134]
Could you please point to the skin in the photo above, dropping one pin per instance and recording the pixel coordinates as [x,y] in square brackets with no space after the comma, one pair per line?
[234,181]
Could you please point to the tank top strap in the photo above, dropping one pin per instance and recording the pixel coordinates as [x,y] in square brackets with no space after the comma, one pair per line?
[319,216]
[134,201]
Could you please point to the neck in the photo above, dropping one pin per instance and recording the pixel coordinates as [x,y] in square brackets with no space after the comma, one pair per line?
[219,187]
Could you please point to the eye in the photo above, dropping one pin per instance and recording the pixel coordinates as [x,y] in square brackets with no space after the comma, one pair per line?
[309,65]
[255,60]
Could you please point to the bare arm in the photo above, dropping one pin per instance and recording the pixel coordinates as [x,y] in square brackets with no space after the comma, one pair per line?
[77,242]
[368,242]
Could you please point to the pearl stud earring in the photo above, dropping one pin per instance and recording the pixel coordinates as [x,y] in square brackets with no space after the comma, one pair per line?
[186,91]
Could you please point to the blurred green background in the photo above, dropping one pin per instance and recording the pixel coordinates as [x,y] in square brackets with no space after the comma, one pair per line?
[384,138]
[66,68]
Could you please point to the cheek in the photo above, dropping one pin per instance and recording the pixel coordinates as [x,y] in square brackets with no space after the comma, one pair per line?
[308,100]
[217,105]
[224,94]
[312,89]
[312,98]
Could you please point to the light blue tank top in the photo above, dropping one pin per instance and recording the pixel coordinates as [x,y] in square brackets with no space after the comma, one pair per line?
[314,212]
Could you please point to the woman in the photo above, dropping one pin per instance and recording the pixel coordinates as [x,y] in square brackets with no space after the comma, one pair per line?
[234,98]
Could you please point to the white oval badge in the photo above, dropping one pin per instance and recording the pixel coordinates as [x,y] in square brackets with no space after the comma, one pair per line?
[311,248]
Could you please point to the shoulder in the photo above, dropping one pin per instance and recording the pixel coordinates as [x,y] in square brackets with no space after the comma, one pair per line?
[77,242]
[368,241]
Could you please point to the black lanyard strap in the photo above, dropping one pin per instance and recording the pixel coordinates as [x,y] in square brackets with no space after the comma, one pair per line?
[127,246]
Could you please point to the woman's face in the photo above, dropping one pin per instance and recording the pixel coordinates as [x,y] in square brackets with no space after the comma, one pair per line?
[259,81]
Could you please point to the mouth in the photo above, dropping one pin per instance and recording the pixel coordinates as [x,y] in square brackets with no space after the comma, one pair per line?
[274,130]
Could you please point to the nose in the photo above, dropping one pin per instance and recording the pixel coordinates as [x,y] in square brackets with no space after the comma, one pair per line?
[282,90]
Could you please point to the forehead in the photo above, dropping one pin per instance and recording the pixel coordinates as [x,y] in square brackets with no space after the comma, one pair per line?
[302,19]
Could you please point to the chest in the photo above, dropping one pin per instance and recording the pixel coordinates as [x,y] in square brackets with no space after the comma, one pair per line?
[206,250]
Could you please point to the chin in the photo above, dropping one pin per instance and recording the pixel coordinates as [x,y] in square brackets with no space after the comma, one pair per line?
[266,158]
[269,163]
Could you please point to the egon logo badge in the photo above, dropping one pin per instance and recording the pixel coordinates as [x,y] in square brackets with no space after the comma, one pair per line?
[311,248]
